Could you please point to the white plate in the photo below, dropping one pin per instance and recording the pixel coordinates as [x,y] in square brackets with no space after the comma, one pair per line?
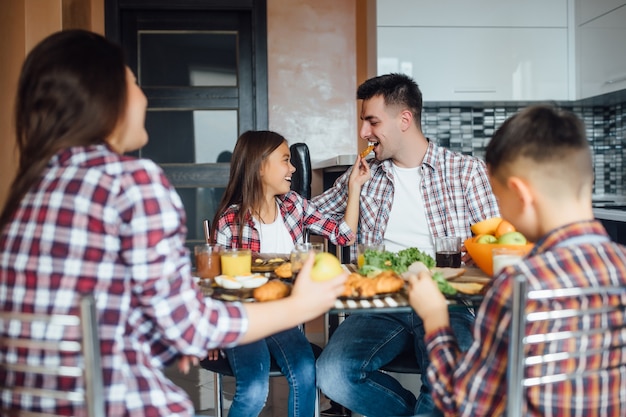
[234,283]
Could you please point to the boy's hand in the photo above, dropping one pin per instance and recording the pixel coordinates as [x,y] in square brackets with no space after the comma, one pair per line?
[428,302]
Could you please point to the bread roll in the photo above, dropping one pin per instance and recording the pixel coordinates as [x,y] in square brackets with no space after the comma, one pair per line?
[271,290]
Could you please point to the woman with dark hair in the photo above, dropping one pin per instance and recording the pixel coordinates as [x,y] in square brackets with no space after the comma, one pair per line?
[260,212]
[81,218]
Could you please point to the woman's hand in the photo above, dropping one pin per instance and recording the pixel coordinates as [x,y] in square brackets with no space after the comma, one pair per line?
[325,292]
[308,300]
[428,302]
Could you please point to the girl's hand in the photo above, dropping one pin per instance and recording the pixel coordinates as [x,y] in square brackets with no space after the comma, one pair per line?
[214,354]
[185,363]
[360,173]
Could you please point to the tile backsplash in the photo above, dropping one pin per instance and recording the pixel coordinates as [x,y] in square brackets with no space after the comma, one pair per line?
[468,129]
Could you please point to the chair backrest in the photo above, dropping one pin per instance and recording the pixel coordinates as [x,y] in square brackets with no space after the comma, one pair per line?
[62,364]
[301,179]
[563,339]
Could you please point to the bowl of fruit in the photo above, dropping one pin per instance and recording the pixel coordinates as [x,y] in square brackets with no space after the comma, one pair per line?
[491,234]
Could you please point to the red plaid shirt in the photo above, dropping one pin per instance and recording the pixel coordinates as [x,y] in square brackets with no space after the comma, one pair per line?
[475,383]
[297,214]
[112,226]
[455,189]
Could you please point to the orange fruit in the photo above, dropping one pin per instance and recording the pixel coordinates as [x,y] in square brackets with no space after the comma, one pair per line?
[504,227]
[486,227]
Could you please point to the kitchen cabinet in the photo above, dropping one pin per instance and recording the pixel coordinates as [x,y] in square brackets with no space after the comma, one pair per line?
[484,50]
[475,13]
[478,64]
[600,40]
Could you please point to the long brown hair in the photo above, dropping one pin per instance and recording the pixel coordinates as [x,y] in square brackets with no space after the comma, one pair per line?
[71,92]
[244,184]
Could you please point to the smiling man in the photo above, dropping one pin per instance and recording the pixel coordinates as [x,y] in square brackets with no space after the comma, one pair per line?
[418,191]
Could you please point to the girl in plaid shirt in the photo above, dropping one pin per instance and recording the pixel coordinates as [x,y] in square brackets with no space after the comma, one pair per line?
[261,213]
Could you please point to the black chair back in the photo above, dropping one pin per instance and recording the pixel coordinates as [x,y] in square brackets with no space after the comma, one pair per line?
[301,179]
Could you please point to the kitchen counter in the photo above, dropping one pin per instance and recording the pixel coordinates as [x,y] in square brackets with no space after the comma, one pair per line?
[618,215]
[609,207]
[341,162]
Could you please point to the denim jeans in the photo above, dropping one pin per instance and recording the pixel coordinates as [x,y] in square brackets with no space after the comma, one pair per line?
[348,368]
[251,364]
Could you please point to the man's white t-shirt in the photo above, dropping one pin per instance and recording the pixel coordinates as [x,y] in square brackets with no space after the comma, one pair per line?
[407,226]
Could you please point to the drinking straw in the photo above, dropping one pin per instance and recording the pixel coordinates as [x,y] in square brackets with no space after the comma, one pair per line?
[207,231]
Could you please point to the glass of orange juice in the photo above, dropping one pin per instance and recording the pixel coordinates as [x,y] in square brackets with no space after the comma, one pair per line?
[236,262]
[362,247]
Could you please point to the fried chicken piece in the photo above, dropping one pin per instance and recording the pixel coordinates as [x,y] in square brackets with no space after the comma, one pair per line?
[350,285]
[366,287]
[388,281]
[359,286]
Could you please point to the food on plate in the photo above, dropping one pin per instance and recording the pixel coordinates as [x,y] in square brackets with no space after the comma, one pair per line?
[366,151]
[471,288]
[449,272]
[272,290]
[409,259]
[246,281]
[283,270]
[387,282]
[377,261]
[326,266]
[486,227]
[358,285]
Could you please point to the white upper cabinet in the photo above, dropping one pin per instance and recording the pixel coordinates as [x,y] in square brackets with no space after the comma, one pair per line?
[601,47]
[477,13]
[481,50]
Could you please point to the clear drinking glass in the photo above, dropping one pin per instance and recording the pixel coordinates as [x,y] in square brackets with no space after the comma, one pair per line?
[362,247]
[300,253]
[208,260]
[448,251]
[504,257]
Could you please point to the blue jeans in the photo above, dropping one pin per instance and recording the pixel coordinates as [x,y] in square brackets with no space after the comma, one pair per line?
[348,368]
[251,365]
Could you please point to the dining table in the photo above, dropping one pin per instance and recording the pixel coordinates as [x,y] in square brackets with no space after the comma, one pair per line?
[397,302]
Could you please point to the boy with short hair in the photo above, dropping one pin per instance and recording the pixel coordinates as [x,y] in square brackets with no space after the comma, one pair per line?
[540,169]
